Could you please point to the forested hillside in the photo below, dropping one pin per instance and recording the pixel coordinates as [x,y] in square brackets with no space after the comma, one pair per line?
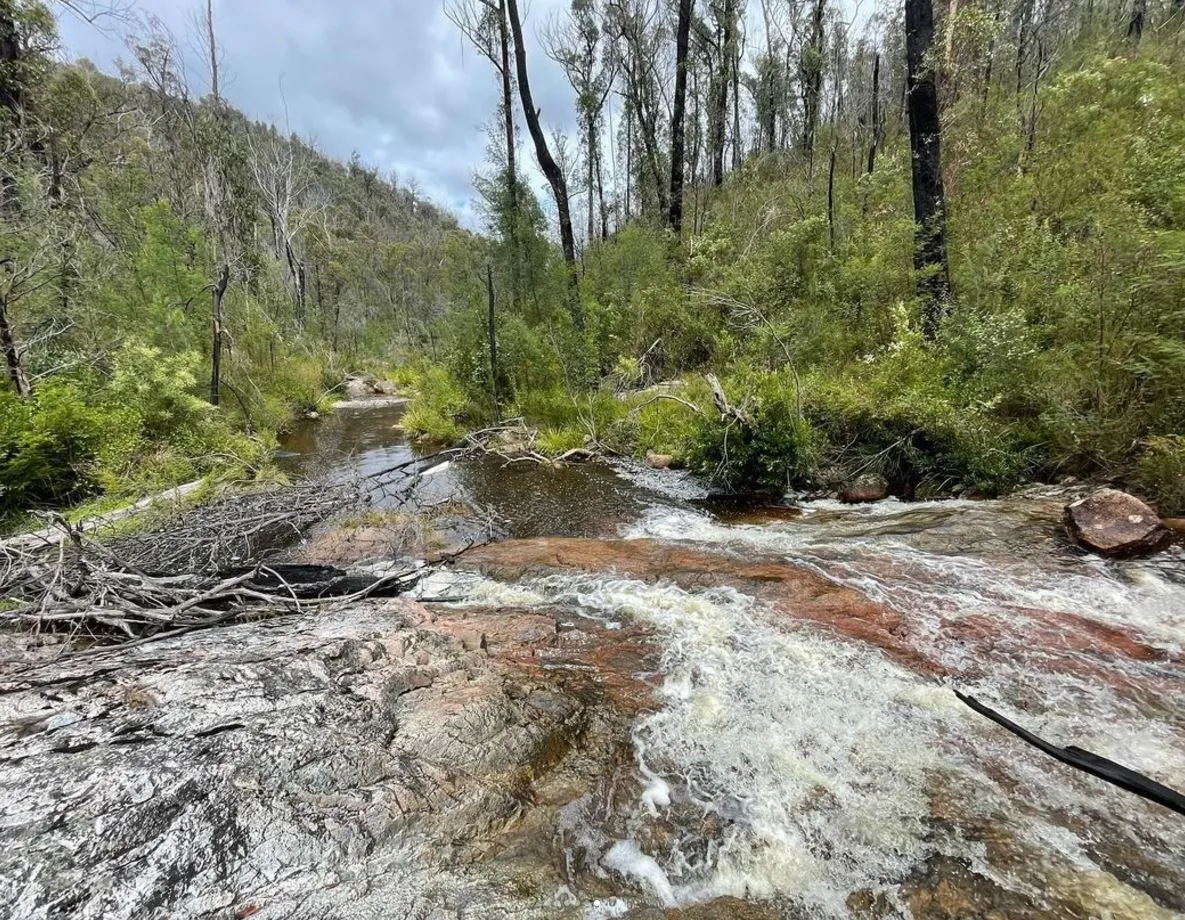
[162,255]
[944,243]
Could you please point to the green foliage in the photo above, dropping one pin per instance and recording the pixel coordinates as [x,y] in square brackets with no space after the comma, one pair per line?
[1061,351]
[48,446]
[140,429]
[438,408]
[776,453]
[554,442]
[1160,474]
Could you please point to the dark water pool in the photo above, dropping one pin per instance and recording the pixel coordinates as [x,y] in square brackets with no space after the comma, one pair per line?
[530,499]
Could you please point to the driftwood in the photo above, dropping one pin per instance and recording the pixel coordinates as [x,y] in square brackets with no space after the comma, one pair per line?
[1104,769]
[513,441]
[205,567]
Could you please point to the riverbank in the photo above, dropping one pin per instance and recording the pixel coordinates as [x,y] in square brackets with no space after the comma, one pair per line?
[776,437]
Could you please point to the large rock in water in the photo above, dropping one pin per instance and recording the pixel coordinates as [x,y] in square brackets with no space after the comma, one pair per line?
[1114,523]
[357,388]
[869,487]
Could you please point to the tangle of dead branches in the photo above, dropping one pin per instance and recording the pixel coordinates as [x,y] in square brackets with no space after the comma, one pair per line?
[207,566]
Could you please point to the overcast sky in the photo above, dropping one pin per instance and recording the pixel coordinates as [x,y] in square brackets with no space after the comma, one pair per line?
[390,79]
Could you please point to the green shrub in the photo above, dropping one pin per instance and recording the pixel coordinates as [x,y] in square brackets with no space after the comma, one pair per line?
[898,413]
[48,445]
[777,453]
[592,414]
[661,425]
[438,407]
[553,442]
[1160,474]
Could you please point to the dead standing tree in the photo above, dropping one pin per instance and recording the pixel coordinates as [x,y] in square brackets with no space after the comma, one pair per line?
[637,29]
[484,25]
[925,137]
[576,44]
[547,163]
[285,186]
[678,117]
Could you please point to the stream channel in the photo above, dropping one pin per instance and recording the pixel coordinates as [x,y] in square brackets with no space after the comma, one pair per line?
[640,702]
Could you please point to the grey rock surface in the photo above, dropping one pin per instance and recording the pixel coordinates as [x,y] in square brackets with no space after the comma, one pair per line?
[312,767]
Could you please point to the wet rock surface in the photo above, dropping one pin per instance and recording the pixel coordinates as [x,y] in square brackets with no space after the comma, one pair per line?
[741,713]
[357,764]
[1113,523]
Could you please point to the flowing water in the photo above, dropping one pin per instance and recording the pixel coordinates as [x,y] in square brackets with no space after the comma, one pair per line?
[804,760]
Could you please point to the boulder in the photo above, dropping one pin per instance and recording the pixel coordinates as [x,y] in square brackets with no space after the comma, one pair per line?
[869,487]
[1113,523]
[357,388]
[659,461]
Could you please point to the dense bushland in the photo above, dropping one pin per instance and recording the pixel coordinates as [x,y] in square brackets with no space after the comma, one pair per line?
[1061,352]
[178,282]
[136,220]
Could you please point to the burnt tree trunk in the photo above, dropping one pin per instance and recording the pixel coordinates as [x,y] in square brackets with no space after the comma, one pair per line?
[831,201]
[511,165]
[218,291]
[812,80]
[493,336]
[876,112]
[678,120]
[718,114]
[547,163]
[12,355]
[648,129]
[736,104]
[629,159]
[1135,26]
[925,144]
[11,99]
[590,155]
[601,193]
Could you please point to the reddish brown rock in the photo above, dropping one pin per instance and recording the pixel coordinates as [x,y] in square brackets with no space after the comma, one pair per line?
[1113,523]
[659,461]
[794,592]
[867,488]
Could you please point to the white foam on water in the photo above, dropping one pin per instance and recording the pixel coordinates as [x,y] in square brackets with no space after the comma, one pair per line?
[793,740]
[625,858]
[888,568]
[1132,725]
[817,762]
[471,589]
[607,909]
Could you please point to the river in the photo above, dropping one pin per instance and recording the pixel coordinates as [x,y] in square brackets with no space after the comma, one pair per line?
[844,762]
[721,711]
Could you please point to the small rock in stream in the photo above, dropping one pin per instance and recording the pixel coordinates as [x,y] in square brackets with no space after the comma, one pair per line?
[869,487]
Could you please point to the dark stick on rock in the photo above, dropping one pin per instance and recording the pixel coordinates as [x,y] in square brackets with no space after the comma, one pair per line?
[1109,770]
